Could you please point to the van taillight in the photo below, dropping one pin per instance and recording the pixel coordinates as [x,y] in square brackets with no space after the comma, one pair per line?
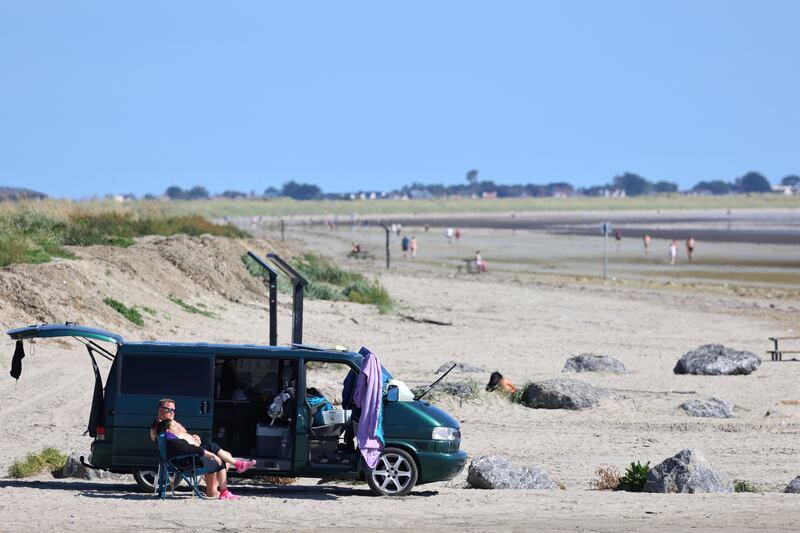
[101,433]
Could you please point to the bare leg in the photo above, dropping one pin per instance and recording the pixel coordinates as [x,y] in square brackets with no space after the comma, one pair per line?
[226,457]
[211,485]
[222,478]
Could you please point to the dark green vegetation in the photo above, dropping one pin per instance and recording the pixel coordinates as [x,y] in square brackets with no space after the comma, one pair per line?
[131,313]
[328,281]
[635,477]
[741,485]
[191,308]
[47,459]
[31,237]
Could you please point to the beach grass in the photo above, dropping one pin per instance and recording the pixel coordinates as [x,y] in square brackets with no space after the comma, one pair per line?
[285,207]
[131,313]
[34,463]
[32,232]
[195,310]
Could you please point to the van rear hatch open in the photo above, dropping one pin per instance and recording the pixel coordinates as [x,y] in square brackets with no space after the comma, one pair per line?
[87,335]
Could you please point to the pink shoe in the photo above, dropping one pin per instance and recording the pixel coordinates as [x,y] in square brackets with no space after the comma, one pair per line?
[228,495]
[242,466]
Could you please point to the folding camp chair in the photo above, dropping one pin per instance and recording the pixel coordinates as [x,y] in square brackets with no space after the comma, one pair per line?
[187,467]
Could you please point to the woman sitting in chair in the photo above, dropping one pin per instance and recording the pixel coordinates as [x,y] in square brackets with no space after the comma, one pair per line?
[217,473]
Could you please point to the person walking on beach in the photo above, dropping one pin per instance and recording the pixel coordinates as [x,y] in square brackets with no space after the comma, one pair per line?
[618,238]
[458,234]
[404,246]
[449,234]
[412,246]
[673,252]
[690,243]
[647,240]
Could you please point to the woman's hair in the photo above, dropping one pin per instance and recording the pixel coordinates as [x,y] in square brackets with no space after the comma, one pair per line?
[494,381]
[163,426]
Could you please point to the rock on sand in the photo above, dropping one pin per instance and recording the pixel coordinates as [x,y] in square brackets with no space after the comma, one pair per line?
[686,472]
[711,408]
[717,360]
[74,468]
[589,362]
[793,487]
[564,393]
[493,472]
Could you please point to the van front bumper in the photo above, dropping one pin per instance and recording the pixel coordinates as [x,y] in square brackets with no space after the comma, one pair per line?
[437,466]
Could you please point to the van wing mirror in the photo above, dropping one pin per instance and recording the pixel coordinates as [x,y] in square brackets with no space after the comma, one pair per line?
[16,360]
[393,394]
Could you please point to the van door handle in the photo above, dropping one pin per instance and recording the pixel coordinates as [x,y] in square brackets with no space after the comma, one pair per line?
[203,407]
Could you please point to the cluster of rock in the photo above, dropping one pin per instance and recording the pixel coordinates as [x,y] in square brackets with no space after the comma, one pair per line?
[793,487]
[564,393]
[460,367]
[710,408]
[589,362]
[74,468]
[717,360]
[686,472]
[493,472]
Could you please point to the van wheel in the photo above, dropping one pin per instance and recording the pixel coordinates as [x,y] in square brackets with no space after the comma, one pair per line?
[146,479]
[395,474]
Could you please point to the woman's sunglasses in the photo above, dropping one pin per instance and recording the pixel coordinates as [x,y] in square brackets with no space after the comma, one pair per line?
[168,409]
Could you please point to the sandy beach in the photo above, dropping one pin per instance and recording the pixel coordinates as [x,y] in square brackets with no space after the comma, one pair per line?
[542,301]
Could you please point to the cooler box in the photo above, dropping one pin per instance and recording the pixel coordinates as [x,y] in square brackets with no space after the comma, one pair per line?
[268,439]
[336,416]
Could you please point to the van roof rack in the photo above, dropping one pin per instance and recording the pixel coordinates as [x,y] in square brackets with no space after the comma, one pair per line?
[298,283]
[273,297]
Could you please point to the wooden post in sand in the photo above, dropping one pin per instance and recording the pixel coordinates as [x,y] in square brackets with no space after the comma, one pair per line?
[387,245]
[606,228]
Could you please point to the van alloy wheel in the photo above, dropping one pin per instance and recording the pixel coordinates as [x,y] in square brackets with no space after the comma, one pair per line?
[395,474]
[146,479]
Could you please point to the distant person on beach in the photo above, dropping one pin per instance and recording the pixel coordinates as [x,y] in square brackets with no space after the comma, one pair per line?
[427,227]
[404,246]
[618,238]
[458,234]
[449,234]
[647,240]
[412,246]
[690,244]
[673,252]
[356,249]
[479,262]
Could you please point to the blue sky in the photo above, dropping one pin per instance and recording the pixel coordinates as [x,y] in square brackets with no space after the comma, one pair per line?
[114,97]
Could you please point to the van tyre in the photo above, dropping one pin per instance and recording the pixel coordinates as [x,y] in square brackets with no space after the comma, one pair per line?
[395,474]
[146,479]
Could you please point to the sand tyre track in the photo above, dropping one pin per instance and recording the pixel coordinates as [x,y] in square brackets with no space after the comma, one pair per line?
[395,474]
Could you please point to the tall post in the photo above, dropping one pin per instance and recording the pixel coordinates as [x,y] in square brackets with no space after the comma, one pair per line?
[283,230]
[273,298]
[606,229]
[387,244]
[298,283]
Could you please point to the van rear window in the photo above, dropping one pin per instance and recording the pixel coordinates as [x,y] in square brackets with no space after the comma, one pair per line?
[164,375]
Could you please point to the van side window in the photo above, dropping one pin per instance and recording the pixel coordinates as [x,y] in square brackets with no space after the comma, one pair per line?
[165,375]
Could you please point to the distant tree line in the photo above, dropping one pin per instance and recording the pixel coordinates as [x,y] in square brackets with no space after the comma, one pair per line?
[628,183]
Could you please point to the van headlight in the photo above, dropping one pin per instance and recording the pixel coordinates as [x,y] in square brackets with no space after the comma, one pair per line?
[442,433]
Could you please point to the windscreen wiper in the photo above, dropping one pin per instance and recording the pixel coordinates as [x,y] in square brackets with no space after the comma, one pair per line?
[420,396]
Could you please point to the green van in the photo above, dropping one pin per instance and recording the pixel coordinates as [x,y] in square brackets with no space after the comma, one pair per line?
[224,393]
